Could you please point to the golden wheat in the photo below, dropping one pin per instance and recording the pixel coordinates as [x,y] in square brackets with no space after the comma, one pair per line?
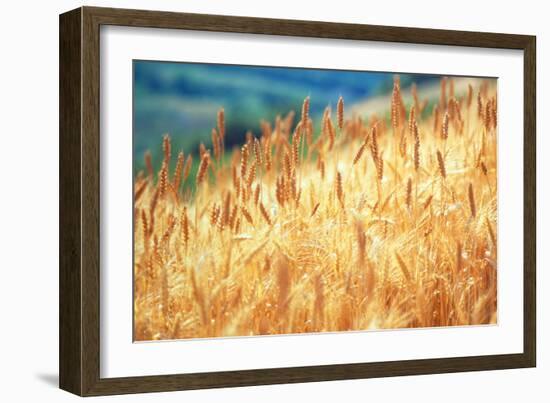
[295,232]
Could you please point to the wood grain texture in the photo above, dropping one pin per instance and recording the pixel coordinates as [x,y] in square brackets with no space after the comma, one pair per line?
[80,200]
[90,201]
[70,274]
[530,202]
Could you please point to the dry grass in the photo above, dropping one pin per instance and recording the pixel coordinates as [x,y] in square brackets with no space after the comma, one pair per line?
[301,231]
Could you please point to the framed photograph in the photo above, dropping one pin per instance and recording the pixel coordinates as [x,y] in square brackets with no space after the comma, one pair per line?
[249,201]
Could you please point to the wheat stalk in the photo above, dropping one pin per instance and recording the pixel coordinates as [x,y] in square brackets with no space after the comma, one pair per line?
[441,165]
[203,167]
[472,200]
[340,112]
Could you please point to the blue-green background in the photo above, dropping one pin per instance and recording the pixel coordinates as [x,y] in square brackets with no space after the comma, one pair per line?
[182,99]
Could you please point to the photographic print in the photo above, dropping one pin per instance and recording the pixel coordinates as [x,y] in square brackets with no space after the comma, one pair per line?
[274,200]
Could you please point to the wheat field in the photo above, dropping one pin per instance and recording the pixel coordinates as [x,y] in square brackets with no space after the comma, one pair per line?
[343,223]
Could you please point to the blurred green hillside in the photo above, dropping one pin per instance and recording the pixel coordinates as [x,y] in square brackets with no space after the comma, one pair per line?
[182,99]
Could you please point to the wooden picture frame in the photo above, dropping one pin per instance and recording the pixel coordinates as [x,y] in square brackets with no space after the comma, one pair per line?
[79,349]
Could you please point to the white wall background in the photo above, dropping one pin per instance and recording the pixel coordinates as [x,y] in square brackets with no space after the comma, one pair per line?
[29,199]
